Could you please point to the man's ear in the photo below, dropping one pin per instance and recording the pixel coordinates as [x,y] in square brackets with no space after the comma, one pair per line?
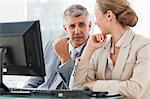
[64,26]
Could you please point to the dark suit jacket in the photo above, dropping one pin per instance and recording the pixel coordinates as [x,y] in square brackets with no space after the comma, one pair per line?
[52,63]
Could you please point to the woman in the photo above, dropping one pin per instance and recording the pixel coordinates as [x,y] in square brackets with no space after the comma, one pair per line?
[120,64]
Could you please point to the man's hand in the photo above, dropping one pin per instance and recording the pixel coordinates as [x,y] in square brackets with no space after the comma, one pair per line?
[61,48]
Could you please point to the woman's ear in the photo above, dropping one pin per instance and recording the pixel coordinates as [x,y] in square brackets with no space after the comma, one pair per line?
[109,15]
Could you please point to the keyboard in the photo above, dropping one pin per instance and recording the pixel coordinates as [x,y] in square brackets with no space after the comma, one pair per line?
[30,90]
[57,93]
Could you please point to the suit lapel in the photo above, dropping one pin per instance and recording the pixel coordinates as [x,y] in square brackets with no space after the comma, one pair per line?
[123,54]
[53,74]
[103,61]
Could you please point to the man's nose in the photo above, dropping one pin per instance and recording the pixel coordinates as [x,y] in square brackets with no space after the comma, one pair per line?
[77,30]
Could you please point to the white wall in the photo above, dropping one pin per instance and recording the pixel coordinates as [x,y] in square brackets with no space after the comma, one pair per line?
[13,10]
[16,10]
[142,8]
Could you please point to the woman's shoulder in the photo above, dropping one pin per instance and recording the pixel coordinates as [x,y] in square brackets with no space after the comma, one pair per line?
[140,41]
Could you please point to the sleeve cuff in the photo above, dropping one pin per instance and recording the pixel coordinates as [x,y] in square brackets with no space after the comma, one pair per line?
[108,86]
[64,64]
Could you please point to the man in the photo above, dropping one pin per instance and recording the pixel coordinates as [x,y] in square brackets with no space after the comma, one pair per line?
[59,60]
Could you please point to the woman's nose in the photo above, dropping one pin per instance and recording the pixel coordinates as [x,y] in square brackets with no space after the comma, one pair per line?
[95,22]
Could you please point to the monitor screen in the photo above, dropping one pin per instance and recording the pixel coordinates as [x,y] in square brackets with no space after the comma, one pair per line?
[24,54]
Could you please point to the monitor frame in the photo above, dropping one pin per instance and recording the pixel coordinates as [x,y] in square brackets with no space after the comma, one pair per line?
[34,51]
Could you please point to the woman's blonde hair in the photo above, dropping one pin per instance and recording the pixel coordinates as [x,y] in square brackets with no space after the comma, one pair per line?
[125,15]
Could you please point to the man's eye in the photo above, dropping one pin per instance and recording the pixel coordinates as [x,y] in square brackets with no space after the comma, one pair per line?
[72,26]
[81,25]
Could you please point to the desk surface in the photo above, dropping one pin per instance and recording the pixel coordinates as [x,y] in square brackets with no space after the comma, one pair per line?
[49,97]
[57,94]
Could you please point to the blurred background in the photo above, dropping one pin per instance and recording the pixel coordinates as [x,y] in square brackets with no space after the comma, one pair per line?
[50,13]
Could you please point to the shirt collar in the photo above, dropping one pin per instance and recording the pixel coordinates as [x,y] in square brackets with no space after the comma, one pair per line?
[120,41]
[78,48]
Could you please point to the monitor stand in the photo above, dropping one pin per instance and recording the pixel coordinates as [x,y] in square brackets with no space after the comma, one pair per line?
[3,88]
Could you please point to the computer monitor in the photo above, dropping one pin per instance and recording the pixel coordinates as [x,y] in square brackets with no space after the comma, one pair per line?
[21,51]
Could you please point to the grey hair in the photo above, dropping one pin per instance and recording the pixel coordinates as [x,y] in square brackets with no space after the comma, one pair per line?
[75,10]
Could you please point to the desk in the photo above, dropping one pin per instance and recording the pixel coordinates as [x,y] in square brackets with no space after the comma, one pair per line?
[57,94]
[50,97]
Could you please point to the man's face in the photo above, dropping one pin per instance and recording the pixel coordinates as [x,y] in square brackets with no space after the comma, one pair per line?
[77,29]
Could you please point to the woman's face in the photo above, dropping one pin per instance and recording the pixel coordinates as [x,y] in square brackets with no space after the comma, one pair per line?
[101,20]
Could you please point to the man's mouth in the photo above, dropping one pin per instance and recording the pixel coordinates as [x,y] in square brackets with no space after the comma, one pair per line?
[78,37]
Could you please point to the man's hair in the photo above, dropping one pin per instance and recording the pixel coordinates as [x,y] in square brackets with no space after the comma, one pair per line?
[75,10]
